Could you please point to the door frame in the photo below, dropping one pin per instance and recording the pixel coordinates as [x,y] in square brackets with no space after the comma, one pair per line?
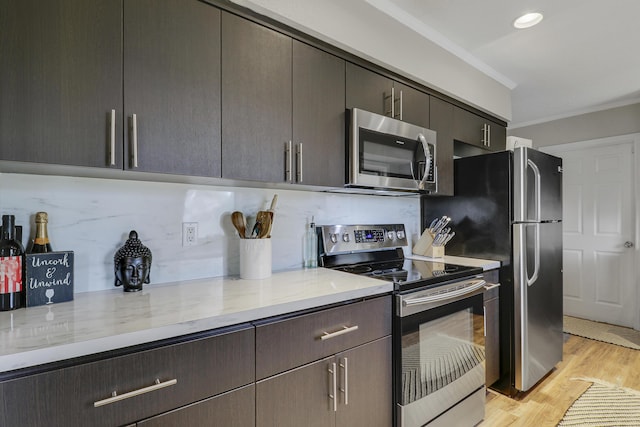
[634,140]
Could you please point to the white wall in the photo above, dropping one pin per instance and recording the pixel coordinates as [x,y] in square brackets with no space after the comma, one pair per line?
[361,29]
[93,217]
[584,127]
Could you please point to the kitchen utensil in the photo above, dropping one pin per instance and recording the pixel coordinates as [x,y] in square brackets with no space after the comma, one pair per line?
[449,237]
[240,223]
[263,221]
[443,223]
[265,224]
[272,213]
[273,203]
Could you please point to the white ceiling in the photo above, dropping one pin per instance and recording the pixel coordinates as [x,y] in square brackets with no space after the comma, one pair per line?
[584,56]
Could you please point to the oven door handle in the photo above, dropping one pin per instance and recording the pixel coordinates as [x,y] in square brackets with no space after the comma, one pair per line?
[445,296]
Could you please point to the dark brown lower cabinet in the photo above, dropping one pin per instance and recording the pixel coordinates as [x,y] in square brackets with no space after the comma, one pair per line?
[235,408]
[190,371]
[350,389]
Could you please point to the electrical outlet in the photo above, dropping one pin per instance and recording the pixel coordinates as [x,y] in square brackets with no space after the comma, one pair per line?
[189,233]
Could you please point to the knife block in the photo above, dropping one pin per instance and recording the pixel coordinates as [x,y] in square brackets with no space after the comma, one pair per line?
[424,246]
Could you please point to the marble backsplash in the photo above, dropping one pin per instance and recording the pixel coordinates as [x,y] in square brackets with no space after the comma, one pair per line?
[93,217]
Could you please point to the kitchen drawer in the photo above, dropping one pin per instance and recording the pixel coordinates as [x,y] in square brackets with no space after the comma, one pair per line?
[232,409]
[292,342]
[201,368]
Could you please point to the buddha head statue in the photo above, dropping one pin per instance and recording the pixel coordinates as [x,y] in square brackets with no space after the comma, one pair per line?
[132,264]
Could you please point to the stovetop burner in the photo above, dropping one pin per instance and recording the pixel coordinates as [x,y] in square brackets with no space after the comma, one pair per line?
[344,248]
[406,274]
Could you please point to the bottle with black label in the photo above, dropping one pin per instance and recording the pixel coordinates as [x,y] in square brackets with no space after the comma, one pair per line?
[11,266]
[41,243]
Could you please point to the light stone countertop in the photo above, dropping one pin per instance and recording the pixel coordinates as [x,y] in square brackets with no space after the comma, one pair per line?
[106,320]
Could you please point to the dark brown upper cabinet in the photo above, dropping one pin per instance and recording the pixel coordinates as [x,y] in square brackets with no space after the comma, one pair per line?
[441,115]
[60,80]
[65,99]
[172,87]
[318,117]
[373,92]
[282,107]
[477,131]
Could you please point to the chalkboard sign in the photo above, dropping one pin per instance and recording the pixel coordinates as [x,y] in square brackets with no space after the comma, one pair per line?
[49,278]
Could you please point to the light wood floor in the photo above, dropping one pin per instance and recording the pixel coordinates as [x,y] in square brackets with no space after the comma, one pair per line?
[547,402]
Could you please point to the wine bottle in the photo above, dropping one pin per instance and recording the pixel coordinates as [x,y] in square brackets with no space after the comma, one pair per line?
[41,243]
[11,266]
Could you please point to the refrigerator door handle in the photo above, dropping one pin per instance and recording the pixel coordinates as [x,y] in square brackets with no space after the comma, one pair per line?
[536,187]
[536,256]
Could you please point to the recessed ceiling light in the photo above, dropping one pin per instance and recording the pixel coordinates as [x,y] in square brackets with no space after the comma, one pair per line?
[528,20]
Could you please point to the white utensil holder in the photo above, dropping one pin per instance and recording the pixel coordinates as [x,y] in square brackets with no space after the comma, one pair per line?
[424,246]
[255,258]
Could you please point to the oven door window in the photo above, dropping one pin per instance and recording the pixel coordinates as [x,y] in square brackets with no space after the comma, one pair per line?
[392,156]
[440,347]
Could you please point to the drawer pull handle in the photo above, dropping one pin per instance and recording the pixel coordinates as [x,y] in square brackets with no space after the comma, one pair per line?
[115,397]
[344,330]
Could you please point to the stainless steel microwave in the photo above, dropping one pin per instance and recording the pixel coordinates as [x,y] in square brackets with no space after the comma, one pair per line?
[388,154]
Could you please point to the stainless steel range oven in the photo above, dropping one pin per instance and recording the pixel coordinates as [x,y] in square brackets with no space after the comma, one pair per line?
[438,330]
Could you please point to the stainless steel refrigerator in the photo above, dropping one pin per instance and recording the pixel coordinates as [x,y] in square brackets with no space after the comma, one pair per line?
[507,206]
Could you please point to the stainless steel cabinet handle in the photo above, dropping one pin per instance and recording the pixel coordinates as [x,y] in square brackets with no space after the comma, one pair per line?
[484,134]
[299,160]
[488,135]
[134,141]
[115,397]
[484,319]
[287,166]
[112,139]
[344,330]
[393,102]
[400,115]
[344,364]
[332,378]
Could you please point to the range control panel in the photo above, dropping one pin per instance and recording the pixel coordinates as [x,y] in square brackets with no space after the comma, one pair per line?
[350,238]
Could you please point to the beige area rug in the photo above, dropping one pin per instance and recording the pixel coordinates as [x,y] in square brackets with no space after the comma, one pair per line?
[618,335]
[604,405]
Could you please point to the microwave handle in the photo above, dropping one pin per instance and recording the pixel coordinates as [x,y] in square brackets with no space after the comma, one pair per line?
[427,163]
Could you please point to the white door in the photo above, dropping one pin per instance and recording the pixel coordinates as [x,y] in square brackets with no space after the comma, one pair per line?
[599,230]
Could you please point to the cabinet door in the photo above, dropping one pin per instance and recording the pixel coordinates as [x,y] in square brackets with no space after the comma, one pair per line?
[60,77]
[478,131]
[232,409]
[299,397]
[441,115]
[256,100]
[414,105]
[469,128]
[172,85]
[365,386]
[498,137]
[318,116]
[367,90]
